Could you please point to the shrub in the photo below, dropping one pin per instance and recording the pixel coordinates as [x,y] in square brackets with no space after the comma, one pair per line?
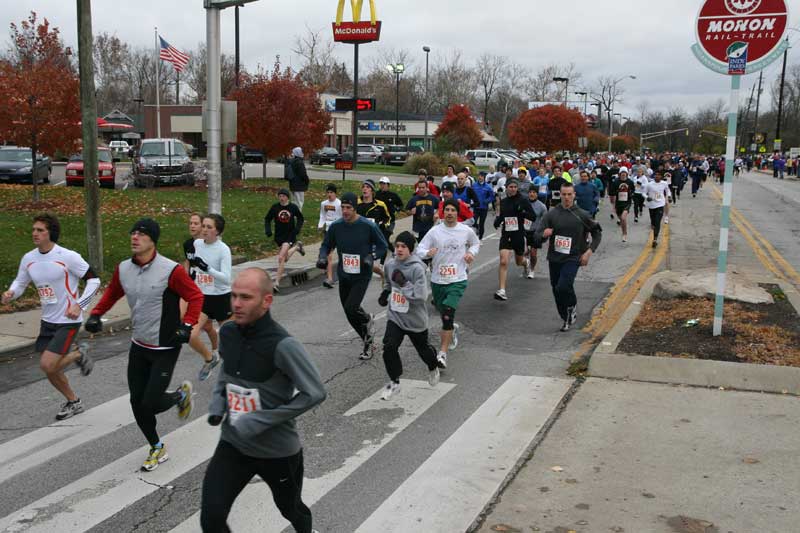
[427,160]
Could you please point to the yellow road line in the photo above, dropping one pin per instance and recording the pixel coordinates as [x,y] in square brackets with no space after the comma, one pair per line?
[776,255]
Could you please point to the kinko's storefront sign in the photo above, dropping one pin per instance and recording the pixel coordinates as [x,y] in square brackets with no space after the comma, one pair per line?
[740,36]
[356,31]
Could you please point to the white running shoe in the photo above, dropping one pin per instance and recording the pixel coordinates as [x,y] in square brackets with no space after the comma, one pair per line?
[500,295]
[624,238]
[666,220]
[531,274]
[433,377]
[454,340]
[441,359]
[390,388]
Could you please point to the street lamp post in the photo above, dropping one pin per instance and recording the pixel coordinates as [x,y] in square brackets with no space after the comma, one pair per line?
[565,81]
[585,100]
[396,70]
[427,50]
[610,107]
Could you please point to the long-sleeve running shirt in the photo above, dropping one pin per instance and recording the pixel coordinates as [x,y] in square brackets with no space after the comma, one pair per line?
[329,212]
[218,278]
[358,243]
[288,222]
[452,244]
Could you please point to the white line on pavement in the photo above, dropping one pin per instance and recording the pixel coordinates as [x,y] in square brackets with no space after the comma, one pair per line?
[377,317]
[42,445]
[449,490]
[254,510]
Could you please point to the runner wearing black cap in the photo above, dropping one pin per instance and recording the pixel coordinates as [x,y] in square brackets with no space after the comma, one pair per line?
[465,214]
[358,241]
[153,286]
[288,223]
[423,207]
[514,211]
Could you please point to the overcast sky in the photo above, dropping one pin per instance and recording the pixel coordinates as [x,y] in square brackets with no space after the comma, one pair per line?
[646,38]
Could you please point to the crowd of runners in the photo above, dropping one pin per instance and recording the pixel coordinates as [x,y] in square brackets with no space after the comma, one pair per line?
[266,378]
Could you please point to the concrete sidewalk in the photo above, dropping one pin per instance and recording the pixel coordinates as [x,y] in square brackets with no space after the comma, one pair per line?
[18,331]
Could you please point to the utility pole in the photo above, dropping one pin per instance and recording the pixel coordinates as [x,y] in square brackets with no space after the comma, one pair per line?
[213,108]
[780,102]
[91,185]
[743,128]
[758,103]
[236,26]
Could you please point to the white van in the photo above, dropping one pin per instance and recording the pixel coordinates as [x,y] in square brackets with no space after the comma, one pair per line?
[484,158]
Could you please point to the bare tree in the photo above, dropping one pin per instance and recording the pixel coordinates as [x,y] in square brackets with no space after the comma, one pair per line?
[452,83]
[489,70]
[542,88]
[195,73]
[320,67]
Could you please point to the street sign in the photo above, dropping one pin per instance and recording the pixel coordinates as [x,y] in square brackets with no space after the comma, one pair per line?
[776,144]
[735,37]
[343,165]
[356,31]
[354,104]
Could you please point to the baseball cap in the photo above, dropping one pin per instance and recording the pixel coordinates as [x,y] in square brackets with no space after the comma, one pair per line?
[384,180]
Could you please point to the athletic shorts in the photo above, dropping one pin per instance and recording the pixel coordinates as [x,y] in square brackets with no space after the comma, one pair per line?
[56,338]
[529,237]
[621,208]
[217,306]
[280,242]
[448,295]
[514,240]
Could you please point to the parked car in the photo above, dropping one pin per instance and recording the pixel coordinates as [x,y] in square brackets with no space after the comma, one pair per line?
[413,150]
[162,162]
[251,155]
[119,147]
[484,158]
[106,169]
[325,155]
[394,154]
[16,165]
[367,153]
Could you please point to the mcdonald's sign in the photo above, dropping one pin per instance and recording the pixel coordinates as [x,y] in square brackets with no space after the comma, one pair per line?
[356,31]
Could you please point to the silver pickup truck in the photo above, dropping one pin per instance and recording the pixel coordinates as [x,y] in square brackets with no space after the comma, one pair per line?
[162,162]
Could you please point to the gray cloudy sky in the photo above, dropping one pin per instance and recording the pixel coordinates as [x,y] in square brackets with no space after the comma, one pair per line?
[647,38]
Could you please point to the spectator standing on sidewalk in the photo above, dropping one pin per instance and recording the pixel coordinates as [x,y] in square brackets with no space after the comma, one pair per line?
[295,172]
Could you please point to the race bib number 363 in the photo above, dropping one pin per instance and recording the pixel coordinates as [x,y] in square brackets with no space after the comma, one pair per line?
[351,263]
[241,401]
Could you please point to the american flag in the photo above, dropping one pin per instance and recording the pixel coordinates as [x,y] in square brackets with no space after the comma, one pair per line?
[173,55]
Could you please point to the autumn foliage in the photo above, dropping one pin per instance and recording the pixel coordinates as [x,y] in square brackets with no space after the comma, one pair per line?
[39,90]
[624,143]
[278,111]
[458,130]
[550,128]
[598,142]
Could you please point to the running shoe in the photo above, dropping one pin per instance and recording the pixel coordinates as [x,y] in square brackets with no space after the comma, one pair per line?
[368,352]
[70,409]
[565,327]
[390,388]
[300,248]
[454,340]
[572,314]
[624,238]
[611,215]
[328,284]
[526,268]
[441,360]
[655,244]
[636,219]
[85,361]
[500,295]
[666,220]
[531,274]
[433,377]
[185,403]
[157,455]
[619,223]
[208,366]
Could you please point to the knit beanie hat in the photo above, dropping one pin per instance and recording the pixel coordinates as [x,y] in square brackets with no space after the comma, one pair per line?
[408,239]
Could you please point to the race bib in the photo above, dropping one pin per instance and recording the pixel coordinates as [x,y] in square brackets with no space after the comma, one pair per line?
[563,244]
[398,303]
[204,280]
[556,195]
[622,196]
[542,189]
[658,196]
[448,272]
[47,295]
[527,224]
[511,224]
[241,401]
[351,263]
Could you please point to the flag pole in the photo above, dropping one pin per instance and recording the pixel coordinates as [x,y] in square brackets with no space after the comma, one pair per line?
[158,82]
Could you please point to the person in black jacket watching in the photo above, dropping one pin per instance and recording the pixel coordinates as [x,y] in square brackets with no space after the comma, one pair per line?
[295,172]
[288,223]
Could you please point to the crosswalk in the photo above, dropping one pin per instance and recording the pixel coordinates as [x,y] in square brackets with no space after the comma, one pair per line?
[446,492]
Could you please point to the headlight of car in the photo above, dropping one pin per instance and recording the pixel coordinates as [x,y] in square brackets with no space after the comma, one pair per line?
[72,172]
[105,173]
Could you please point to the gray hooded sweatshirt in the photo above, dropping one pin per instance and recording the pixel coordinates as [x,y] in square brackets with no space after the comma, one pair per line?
[407,303]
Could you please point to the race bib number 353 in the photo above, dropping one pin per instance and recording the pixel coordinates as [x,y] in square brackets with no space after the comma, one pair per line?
[241,401]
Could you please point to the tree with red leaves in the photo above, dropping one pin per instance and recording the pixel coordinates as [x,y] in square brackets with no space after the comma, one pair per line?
[598,142]
[550,128]
[39,92]
[624,143]
[278,111]
[458,131]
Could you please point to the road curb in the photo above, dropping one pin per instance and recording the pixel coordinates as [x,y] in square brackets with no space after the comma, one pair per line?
[22,348]
[606,362]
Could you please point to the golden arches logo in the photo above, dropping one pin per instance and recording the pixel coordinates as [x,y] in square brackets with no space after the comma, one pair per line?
[355,6]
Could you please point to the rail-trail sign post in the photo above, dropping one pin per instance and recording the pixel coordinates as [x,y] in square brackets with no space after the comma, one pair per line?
[734,38]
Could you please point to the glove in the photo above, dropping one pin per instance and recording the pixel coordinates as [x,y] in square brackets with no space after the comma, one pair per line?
[214,420]
[366,264]
[497,221]
[322,263]
[648,199]
[198,262]
[383,299]
[183,333]
[399,278]
[93,324]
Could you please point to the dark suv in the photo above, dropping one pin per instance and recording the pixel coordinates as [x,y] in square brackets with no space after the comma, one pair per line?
[394,154]
[325,156]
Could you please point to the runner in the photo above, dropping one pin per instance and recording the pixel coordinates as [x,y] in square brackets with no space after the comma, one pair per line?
[453,247]
[196,232]
[586,194]
[539,209]
[554,186]
[567,227]
[540,183]
[464,192]
[393,203]
[423,207]
[514,209]
[267,380]
[288,223]
[330,210]
[639,183]
[485,194]
[619,194]
[450,177]
[212,262]
[422,176]
[465,214]
[358,241]
[56,271]
[656,192]
[405,291]
[377,211]
[153,285]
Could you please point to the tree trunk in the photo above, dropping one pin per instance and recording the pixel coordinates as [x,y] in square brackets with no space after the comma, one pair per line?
[34,179]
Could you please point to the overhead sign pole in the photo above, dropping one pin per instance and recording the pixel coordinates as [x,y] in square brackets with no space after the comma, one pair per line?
[736,37]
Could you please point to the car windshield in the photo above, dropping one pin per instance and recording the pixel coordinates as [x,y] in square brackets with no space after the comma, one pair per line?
[102,155]
[15,155]
[160,149]
[396,148]
[366,147]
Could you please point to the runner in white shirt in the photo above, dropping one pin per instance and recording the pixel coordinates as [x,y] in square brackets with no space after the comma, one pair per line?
[656,194]
[453,247]
[56,272]
[212,262]
[639,181]
[330,210]
[451,175]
